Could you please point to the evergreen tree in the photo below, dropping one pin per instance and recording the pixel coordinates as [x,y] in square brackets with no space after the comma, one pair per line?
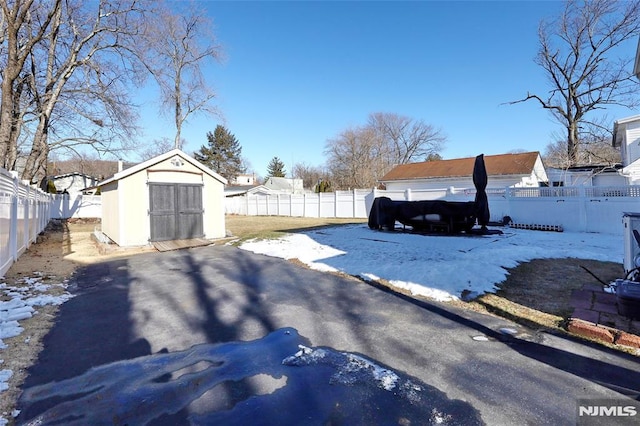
[275,168]
[323,186]
[222,153]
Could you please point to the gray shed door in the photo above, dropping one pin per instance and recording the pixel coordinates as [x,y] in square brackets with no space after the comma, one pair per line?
[176,211]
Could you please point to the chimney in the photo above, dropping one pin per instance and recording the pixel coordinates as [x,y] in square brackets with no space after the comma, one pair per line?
[120,165]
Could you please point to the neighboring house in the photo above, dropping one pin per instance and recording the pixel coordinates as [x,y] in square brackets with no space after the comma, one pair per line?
[505,170]
[70,182]
[244,180]
[237,190]
[169,197]
[280,185]
[626,136]
[597,175]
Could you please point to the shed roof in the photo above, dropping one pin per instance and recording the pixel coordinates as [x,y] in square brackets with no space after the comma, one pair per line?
[496,165]
[155,160]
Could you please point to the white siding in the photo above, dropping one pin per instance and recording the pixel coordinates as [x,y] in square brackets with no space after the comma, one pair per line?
[434,184]
[633,141]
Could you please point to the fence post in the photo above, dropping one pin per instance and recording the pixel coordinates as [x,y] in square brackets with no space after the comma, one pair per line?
[319,205]
[304,205]
[13,227]
[353,203]
[27,240]
[335,203]
[582,209]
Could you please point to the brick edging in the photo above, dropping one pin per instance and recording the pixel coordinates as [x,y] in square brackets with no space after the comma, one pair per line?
[602,333]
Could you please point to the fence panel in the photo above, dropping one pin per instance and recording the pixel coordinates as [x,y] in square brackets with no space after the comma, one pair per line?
[327,204]
[575,209]
[6,206]
[76,205]
[24,213]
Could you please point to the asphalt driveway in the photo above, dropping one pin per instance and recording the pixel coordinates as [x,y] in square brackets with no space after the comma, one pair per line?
[213,335]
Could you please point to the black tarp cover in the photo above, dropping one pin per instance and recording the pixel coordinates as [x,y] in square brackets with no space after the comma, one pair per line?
[456,216]
[451,215]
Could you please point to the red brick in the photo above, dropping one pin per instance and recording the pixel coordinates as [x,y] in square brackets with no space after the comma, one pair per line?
[591,331]
[627,339]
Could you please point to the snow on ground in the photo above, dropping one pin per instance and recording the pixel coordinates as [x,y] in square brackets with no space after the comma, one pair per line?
[436,266]
[19,303]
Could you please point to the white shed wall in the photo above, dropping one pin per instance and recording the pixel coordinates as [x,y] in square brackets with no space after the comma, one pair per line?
[632,142]
[126,202]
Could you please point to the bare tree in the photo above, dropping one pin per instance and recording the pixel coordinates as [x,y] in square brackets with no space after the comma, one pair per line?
[578,52]
[79,77]
[406,139]
[175,49]
[157,147]
[359,156]
[15,20]
[74,68]
[310,175]
[592,152]
[355,158]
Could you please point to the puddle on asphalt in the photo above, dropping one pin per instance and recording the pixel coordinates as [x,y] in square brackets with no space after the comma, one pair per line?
[279,379]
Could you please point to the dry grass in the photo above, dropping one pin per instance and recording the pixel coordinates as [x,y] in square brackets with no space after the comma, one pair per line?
[265,227]
[538,293]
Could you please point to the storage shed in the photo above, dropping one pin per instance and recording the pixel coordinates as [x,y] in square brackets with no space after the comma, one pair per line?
[169,197]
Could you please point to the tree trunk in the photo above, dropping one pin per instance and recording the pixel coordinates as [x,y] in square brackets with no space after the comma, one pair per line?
[35,167]
[8,107]
[572,143]
[178,113]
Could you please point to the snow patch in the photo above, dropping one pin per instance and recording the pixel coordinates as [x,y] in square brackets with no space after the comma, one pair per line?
[18,306]
[440,267]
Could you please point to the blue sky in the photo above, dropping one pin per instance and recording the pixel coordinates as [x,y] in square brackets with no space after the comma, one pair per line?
[298,73]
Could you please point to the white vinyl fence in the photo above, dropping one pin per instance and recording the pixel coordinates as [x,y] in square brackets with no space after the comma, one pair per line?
[573,209]
[24,213]
[76,205]
[343,204]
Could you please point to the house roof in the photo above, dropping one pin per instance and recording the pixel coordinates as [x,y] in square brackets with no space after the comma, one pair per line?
[71,174]
[160,158]
[279,183]
[496,165]
[233,190]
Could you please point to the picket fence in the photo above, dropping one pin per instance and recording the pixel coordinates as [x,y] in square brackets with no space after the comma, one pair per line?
[24,213]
